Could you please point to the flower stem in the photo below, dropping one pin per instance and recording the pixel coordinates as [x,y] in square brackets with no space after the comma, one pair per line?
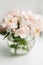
[15,51]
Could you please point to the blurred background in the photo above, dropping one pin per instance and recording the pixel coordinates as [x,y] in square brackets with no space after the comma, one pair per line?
[34,5]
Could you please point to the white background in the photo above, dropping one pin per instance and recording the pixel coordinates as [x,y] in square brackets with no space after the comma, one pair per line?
[35,56]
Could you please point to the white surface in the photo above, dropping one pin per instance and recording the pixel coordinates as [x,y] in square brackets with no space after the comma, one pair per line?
[35,56]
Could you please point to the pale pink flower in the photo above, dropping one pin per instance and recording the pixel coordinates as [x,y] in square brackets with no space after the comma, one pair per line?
[23,32]
[10,21]
[29,23]
[15,13]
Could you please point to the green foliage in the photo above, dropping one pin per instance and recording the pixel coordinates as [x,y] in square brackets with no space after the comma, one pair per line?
[19,41]
[16,39]
[13,46]
[18,24]
[3,33]
[7,34]
[25,48]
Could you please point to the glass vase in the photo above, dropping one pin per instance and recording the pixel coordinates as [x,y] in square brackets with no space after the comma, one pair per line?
[23,46]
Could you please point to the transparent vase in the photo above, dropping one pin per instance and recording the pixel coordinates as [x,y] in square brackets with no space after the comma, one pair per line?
[22,47]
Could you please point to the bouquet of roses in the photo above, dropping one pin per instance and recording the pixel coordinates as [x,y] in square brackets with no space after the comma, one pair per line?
[20,28]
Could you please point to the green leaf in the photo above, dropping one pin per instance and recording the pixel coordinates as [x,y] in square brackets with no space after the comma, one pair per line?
[16,39]
[25,48]
[6,35]
[19,40]
[12,35]
[13,46]
[22,41]
[3,33]
[18,24]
